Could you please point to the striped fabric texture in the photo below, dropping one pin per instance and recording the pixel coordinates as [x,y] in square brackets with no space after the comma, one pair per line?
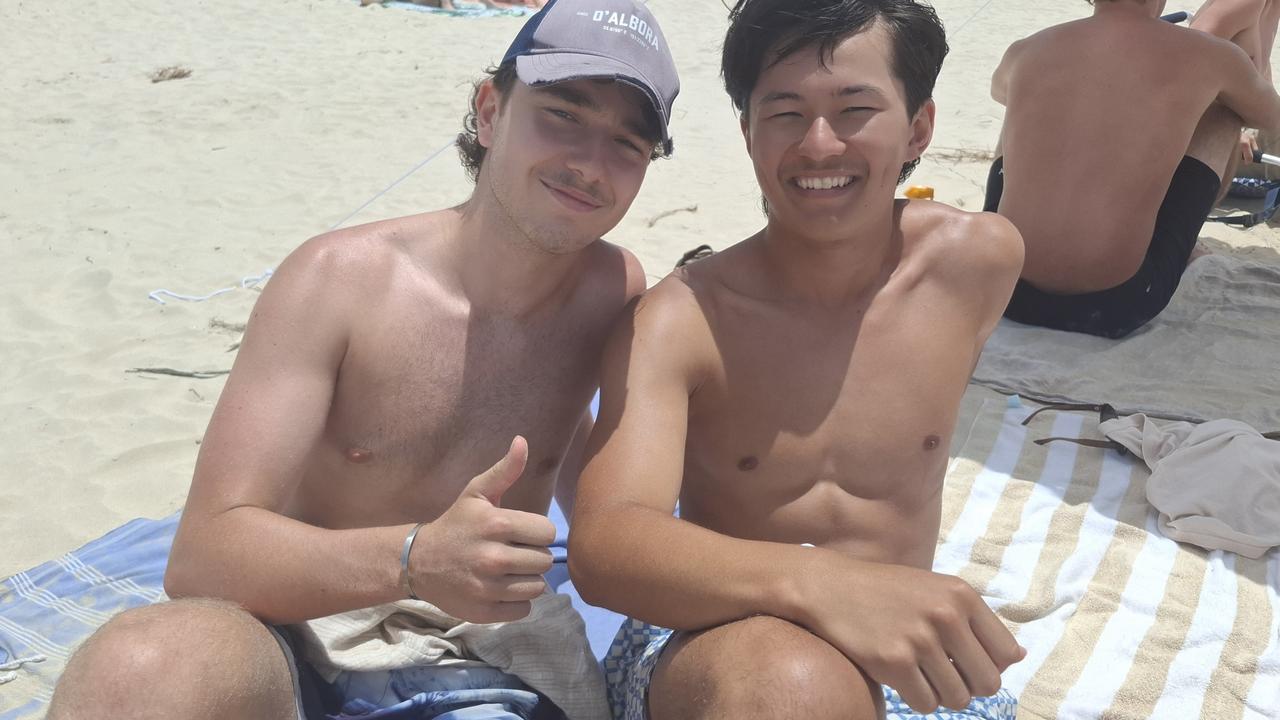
[1119,621]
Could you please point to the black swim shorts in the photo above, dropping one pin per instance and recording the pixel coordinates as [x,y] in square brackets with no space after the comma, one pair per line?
[1118,311]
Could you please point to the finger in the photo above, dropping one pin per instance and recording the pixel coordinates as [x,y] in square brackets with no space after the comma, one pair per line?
[518,588]
[976,669]
[495,481]
[525,528]
[916,692]
[528,560]
[948,686]
[996,639]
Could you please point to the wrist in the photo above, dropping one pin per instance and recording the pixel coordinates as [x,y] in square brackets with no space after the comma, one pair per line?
[791,593]
[407,589]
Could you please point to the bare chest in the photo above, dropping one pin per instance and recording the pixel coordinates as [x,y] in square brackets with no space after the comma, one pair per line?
[420,409]
[865,415]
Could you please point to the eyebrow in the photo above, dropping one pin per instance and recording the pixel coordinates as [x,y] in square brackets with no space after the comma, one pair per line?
[846,91]
[573,97]
[586,102]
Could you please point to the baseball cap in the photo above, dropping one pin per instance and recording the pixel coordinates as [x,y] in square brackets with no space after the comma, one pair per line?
[615,39]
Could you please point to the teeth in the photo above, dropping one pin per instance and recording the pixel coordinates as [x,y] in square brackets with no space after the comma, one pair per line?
[826,183]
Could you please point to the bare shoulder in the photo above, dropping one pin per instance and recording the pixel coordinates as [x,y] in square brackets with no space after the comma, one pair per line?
[614,271]
[1209,41]
[962,245]
[346,259]
[664,332]
[1226,18]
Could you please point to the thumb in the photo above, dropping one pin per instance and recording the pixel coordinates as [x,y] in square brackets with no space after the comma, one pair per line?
[495,481]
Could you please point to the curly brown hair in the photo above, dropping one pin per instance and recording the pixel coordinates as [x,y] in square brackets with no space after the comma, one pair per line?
[472,153]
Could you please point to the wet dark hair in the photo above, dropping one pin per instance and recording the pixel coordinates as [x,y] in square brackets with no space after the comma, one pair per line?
[770,31]
[504,77]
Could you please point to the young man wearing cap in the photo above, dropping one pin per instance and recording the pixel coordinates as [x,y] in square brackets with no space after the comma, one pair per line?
[801,388]
[350,463]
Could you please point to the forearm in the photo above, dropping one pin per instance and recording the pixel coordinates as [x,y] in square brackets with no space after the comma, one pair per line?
[672,573]
[283,570]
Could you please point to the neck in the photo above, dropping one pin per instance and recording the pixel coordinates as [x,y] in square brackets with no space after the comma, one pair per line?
[499,269]
[1126,8]
[831,273]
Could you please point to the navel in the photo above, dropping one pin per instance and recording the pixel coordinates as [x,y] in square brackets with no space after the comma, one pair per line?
[748,463]
[932,442]
[359,455]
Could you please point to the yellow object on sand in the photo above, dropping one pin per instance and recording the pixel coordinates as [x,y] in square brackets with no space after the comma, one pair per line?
[919,192]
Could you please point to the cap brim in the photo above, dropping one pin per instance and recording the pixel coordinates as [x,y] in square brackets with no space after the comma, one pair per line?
[561,66]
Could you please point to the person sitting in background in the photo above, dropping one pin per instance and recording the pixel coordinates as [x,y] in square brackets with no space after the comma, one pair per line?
[1119,138]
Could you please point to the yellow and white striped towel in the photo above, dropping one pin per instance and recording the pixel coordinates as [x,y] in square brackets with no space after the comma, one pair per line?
[1118,620]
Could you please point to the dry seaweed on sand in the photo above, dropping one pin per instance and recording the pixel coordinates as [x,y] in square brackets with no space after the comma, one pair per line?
[198,374]
[173,72]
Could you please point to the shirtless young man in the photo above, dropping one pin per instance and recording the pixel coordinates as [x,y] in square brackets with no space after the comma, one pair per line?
[1251,24]
[1118,132]
[801,387]
[384,371]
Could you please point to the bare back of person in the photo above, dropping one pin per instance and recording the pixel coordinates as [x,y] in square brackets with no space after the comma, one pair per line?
[827,425]
[1100,113]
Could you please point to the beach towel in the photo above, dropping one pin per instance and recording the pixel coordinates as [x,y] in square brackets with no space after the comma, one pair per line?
[1216,485]
[1211,354]
[46,612]
[1119,621]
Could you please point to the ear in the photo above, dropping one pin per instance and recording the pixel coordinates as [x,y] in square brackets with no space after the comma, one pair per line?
[921,130]
[488,103]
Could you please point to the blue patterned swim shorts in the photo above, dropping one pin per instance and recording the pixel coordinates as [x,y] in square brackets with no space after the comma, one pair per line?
[629,664]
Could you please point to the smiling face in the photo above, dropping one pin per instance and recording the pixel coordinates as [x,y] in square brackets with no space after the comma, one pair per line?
[828,140]
[564,161]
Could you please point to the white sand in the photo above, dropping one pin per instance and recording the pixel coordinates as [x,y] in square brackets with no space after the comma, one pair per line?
[296,113]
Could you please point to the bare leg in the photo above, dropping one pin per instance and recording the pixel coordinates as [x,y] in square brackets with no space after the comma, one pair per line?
[191,659]
[759,668]
[1215,143]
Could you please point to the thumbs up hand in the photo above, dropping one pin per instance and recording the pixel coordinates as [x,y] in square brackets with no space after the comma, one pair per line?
[480,562]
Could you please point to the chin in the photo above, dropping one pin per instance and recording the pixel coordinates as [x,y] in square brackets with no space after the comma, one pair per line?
[560,242]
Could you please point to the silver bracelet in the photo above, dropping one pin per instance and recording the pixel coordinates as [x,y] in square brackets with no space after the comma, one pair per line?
[404,561]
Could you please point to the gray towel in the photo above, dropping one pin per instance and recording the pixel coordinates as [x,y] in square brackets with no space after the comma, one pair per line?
[1213,353]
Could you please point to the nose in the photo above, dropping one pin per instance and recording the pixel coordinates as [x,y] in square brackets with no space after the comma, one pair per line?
[587,156]
[820,141]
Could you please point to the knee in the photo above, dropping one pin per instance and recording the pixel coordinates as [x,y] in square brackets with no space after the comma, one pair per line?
[770,668]
[190,654]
